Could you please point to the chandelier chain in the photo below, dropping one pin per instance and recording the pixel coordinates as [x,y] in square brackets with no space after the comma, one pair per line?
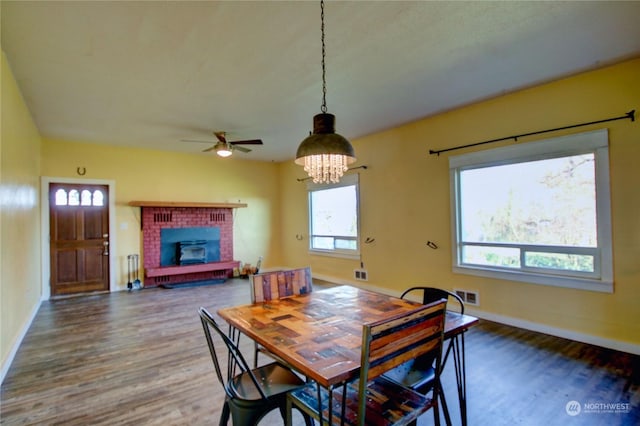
[324,154]
[323,108]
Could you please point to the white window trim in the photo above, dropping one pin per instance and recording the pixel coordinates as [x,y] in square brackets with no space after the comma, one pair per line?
[346,180]
[597,142]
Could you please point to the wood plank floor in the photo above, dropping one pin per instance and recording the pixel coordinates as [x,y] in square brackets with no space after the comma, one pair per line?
[140,358]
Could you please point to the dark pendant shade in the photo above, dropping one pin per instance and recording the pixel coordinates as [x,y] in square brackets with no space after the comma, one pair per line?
[324,140]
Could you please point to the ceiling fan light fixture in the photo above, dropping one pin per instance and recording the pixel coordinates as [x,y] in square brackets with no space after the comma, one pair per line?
[325,154]
[223,150]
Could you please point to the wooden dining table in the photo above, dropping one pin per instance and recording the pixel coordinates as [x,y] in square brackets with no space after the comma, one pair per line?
[319,334]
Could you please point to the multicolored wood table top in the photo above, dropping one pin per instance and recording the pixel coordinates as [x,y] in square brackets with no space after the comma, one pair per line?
[320,333]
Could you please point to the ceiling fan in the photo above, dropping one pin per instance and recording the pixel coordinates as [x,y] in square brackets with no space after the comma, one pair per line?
[225,148]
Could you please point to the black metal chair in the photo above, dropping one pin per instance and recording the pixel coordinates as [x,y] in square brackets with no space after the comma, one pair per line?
[420,373]
[250,394]
[431,294]
[373,399]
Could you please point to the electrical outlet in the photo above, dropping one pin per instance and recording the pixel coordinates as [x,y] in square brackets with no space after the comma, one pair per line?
[361,274]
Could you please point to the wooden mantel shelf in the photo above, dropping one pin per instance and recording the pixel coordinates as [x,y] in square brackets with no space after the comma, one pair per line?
[185,204]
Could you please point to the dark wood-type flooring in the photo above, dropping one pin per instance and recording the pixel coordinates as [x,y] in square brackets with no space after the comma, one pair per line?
[140,358]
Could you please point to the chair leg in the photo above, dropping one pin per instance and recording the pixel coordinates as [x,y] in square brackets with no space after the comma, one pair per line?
[445,408]
[436,414]
[285,412]
[224,417]
[288,413]
[308,421]
[247,417]
[255,355]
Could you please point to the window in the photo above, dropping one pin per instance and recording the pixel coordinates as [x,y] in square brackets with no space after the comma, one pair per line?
[333,217]
[86,198]
[537,212]
[77,198]
[74,198]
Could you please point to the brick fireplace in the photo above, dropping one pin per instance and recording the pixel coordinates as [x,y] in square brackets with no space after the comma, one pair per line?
[204,235]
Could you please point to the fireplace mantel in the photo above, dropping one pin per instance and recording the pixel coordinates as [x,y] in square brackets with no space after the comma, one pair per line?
[185,204]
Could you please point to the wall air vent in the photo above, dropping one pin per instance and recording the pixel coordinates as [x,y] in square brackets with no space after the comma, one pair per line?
[469,297]
[360,274]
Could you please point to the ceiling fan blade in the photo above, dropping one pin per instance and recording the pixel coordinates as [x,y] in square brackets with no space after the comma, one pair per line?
[222,141]
[247,142]
[221,136]
[193,140]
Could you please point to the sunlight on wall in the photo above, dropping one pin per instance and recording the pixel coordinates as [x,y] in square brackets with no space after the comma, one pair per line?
[405,202]
[19,218]
[18,197]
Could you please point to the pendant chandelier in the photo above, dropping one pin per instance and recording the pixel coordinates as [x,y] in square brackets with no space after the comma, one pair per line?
[325,154]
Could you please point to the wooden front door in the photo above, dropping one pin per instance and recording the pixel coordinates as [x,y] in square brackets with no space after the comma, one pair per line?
[79,238]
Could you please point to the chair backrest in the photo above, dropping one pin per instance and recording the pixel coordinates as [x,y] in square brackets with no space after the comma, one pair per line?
[391,342]
[236,364]
[431,294]
[278,284]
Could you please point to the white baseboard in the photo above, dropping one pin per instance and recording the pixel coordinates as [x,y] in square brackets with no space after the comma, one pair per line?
[515,322]
[558,332]
[18,341]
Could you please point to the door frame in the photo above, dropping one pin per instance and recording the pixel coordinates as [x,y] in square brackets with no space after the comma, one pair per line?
[45,228]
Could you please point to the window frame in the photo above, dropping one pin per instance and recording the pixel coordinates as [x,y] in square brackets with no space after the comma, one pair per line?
[347,180]
[596,142]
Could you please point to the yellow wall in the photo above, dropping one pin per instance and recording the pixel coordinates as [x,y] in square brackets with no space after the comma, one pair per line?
[404,199]
[147,175]
[404,203]
[19,216]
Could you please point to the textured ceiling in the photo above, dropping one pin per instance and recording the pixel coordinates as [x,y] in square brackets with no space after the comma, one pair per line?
[149,74]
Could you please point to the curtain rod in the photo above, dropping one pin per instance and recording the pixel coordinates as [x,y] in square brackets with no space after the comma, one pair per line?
[349,169]
[630,115]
